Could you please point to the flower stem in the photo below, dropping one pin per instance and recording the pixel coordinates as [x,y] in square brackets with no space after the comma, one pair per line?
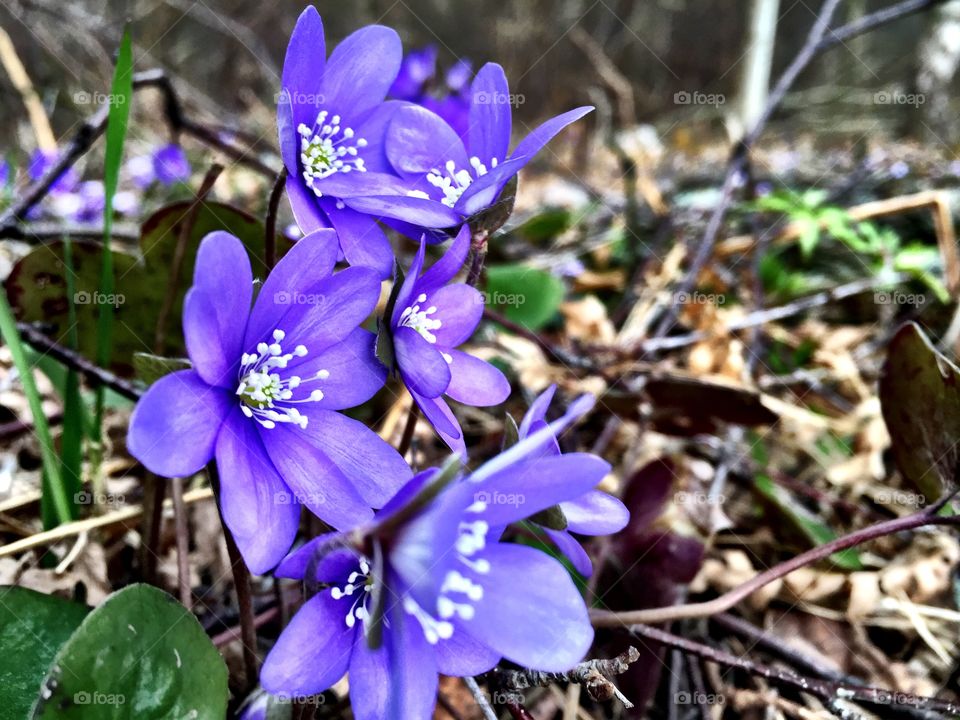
[270,228]
[478,254]
[411,425]
[241,582]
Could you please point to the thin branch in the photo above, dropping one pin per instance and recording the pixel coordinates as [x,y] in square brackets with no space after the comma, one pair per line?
[94,374]
[270,228]
[407,438]
[592,674]
[241,583]
[183,538]
[655,616]
[825,689]
[481,698]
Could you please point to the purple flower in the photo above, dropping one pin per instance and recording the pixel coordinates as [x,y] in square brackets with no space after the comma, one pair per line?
[263,394]
[41,162]
[593,513]
[331,117]
[140,170]
[417,70]
[417,83]
[449,178]
[170,164]
[6,175]
[451,597]
[429,320]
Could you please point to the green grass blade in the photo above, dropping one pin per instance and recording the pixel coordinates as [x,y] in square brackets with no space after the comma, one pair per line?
[121,92]
[59,499]
[71,441]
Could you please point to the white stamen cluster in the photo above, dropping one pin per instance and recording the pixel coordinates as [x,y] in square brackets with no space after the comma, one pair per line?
[458,593]
[264,395]
[453,182]
[326,148]
[357,580]
[418,319]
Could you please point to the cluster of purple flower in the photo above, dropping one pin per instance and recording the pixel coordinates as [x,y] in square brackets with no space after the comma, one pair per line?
[417,578]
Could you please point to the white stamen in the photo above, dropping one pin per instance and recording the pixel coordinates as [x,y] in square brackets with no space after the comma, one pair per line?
[326,149]
[451,182]
[264,394]
[415,318]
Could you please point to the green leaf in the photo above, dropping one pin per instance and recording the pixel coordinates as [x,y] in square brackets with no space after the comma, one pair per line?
[524,294]
[920,401]
[809,236]
[118,117]
[546,225]
[53,481]
[33,626]
[37,285]
[138,655]
[75,422]
[806,522]
[150,368]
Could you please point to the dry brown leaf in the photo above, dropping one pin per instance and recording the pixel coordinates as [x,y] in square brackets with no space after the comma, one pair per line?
[587,320]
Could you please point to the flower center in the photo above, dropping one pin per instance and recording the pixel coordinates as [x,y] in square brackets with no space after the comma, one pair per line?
[458,593]
[328,148]
[418,319]
[453,182]
[264,394]
[358,580]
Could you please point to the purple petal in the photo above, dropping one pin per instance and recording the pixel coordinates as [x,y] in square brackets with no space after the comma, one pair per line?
[532,143]
[447,267]
[289,140]
[374,129]
[476,382]
[537,412]
[175,424]
[304,203]
[422,367]
[359,184]
[374,469]
[315,479]
[490,114]
[526,488]
[572,549]
[399,680]
[417,68]
[410,281]
[544,626]
[214,326]
[170,164]
[309,261]
[532,446]
[257,506]
[460,309]
[419,141]
[328,311]
[463,655]
[484,191]
[333,567]
[595,513]
[418,211]
[355,373]
[303,69]
[296,667]
[361,69]
[444,422]
[362,239]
